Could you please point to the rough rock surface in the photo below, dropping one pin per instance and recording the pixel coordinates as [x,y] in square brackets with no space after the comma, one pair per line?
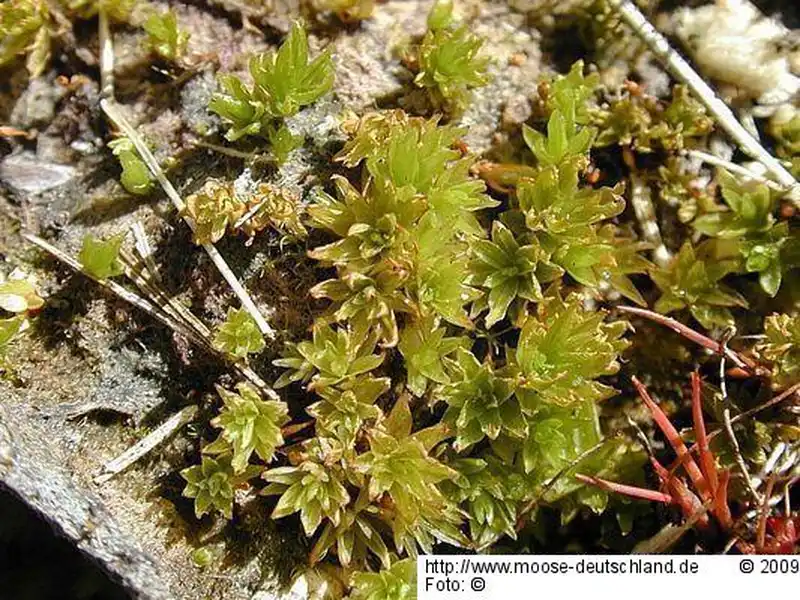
[34,471]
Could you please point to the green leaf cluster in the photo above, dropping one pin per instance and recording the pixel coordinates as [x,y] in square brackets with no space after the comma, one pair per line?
[19,297]
[164,36]
[566,221]
[250,425]
[100,258]
[448,59]
[212,484]
[424,346]
[315,488]
[402,240]
[767,247]
[784,126]
[331,357]
[490,493]
[283,82]
[781,347]
[401,474]
[135,177]
[283,142]
[239,335]
[645,124]
[563,350]
[571,94]
[26,28]
[481,402]
[693,281]
[342,411]
[398,582]
[507,270]
[413,259]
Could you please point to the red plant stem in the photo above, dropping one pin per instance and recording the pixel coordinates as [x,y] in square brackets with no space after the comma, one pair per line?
[675,440]
[680,494]
[627,490]
[692,335]
[721,509]
[707,463]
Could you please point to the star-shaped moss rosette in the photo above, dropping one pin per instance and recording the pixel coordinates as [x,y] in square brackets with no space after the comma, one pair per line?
[448,59]
[481,402]
[424,346]
[283,82]
[239,336]
[563,350]
[213,209]
[212,484]
[507,269]
[333,356]
[250,425]
[315,487]
[343,412]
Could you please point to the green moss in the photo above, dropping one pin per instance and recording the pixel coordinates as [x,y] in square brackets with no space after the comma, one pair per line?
[283,82]
[135,177]
[25,29]
[239,335]
[100,258]
[448,60]
[164,36]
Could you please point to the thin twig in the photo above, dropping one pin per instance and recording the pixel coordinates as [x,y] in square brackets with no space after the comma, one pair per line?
[142,245]
[772,402]
[761,530]
[644,209]
[113,113]
[160,314]
[737,454]
[147,444]
[106,56]
[770,464]
[192,327]
[112,286]
[681,70]
[232,152]
[690,334]
[732,167]
[147,284]
[775,500]
[549,485]
[249,214]
[726,420]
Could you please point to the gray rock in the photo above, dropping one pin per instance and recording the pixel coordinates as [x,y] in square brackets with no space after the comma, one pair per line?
[130,385]
[32,469]
[37,104]
[24,173]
